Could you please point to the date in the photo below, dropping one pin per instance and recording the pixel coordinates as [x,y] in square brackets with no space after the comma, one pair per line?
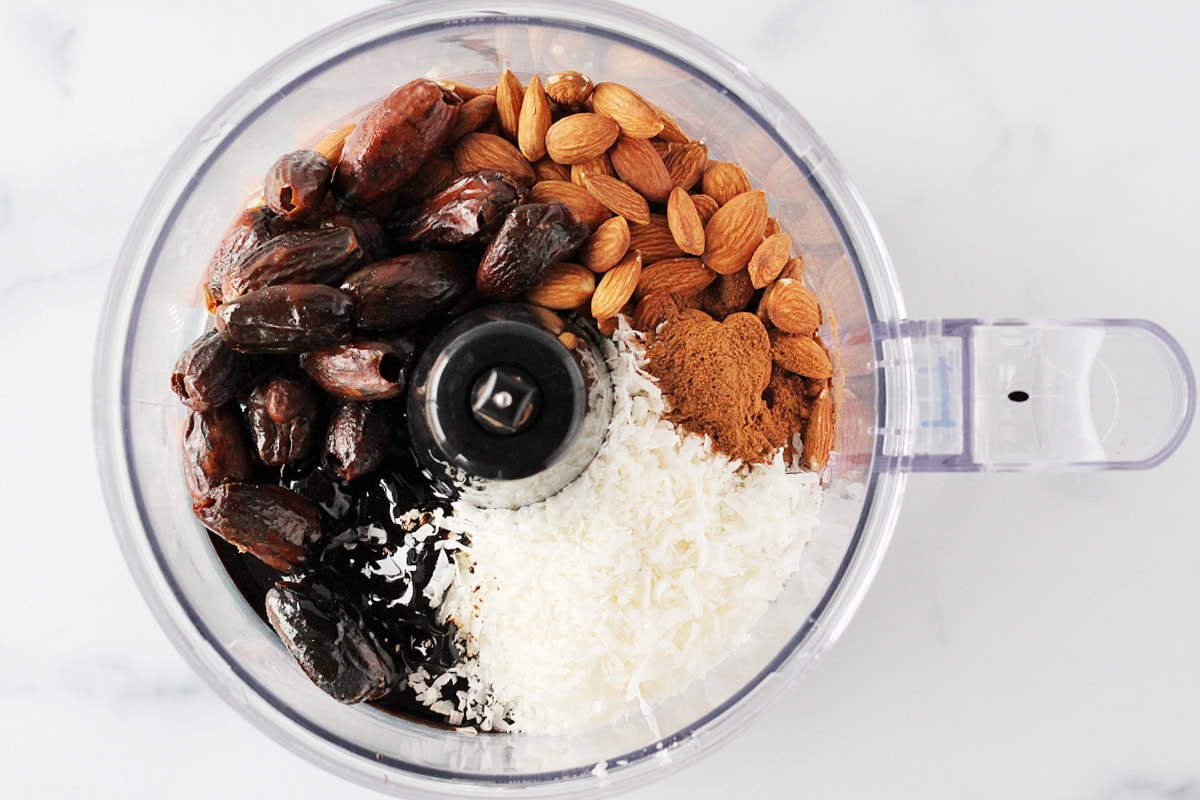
[293,318]
[214,450]
[366,229]
[268,522]
[534,237]
[282,414]
[251,228]
[408,288]
[464,212]
[358,437]
[361,370]
[320,256]
[297,184]
[209,373]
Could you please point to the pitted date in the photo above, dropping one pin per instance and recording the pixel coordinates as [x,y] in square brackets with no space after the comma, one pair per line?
[393,140]
[251,228]
[408,288]
[269,522]
[358,437]
[294,318]
[464,212]
[209,373]
[297,184]
[534,237]
[327,636]
[321,256]
[282,414]
[214,450]
[361,370]
[366,229]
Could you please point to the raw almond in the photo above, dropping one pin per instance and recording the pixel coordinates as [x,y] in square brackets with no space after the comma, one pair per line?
[617,285]
[638,164]
[652,311]
[579,137]
[819,435]
[547,169]
[686,164]
[636,117]
[671,132]
[331,145]
[534,121]
[477,151]
[600,165]
[509,94]
[607,326]
[769,259]
[618,197]
[465,91]
[800,354]
[569,340]
[772,227]
[792,308]
[705,207]
[684,222]
[654,239]
[675,276]
[569,88]
[471,117]
[585,207]
[723,181]
[734,232]
[793,269]
[661,146]
[563,287]
[607,246]
[728,294]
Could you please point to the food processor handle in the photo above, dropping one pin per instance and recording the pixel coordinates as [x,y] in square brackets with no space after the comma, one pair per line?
[1036,395]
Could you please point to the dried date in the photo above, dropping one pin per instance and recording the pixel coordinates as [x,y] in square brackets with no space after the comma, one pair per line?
[358,437]
[393,140]
[214,450]
[297,184]
[209,373]
[320,256]
[282,414]
[532,238]
[294,318]
[366,229]
[251,228]
[269,522]
[361,370]
[408,288]
[464,212]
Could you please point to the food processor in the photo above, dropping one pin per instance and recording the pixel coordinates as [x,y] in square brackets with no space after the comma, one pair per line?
[963,395]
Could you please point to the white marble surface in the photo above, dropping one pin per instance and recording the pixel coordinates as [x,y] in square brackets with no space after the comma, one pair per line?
[1028,636]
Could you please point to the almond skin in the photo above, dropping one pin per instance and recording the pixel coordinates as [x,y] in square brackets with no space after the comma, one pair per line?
[616,287]
[638,164]
[652,311]
[723,181]
[684,221]
[792,308]
[686,164]
[618,197]
[654,239]
[465,91]
[675,276]
[580,137]
[569,88]
[477,151]
[331,145]
[472,116]
[563,287]
[605,248]
[769,259]
[546,169]
[802,355]
[705,206]
[585,207]
[735,231]
[671,132]
[793,269]
[509,95]
[637,118]
[819,434]
[600,165]
[534,121]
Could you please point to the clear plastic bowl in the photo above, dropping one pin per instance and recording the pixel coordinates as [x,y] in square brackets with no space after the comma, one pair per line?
[893,374]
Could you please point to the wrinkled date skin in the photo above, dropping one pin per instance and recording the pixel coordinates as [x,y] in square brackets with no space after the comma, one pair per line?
[209,373]
[358,437]
[294,318]
[326,635]
[268,522]
[533,237]
[253,227]
[297,184]
[320,256]
[366,229]
[393,140]
[283,420]
[463,213]
[361,370]
[409,288]
[214,450]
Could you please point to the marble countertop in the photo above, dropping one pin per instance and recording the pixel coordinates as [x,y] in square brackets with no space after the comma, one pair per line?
[1028,635]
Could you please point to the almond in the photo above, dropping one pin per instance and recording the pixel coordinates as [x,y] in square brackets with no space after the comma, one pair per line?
[661,146]
[534,121]
[607,326]
[546,169]
[585,207]
[580,137]
[477,151]
[684,222]
[465,91]
[637,118]
[563,287]
[569,340]
[331,145]
[769,259]
[793,269]
[618,197]
[654,239]
[723,181]
[638,164]
[675,276]
[792,308]
[728,294]
[671,132]
[652,311]
[772,227]
[569,88]
[509,94]
[734,232]
[607,246]
[686,164]
[705,207]
[617,285]
[600,165]
[471,117]
[819,434]
[802,355]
